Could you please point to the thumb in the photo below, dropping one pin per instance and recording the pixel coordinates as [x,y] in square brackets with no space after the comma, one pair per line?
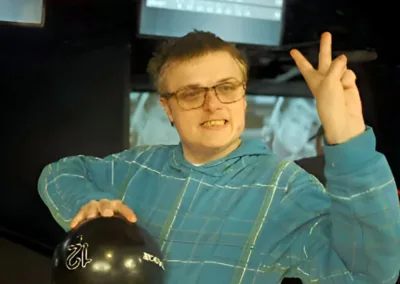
[337,68]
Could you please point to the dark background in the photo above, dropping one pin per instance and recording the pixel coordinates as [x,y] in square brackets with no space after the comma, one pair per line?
[65,88]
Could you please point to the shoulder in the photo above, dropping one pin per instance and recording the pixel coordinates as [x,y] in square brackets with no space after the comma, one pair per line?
[274,169]
[275,163]
[143,153]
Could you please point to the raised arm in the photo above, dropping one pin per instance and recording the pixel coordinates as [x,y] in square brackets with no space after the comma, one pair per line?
[350,232]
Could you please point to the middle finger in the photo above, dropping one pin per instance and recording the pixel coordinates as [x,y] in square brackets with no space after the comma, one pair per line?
[92,211]
[106,208]
[325,53]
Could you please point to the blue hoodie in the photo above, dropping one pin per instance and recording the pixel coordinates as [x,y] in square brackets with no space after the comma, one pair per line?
[249,218]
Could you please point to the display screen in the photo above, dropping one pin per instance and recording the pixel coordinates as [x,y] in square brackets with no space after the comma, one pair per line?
[22,12]
[258,22]
[284,124]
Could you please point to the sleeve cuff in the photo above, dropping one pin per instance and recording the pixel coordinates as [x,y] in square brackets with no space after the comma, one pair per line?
[352,155]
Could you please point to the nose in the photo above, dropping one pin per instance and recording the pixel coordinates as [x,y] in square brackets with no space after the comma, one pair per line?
[212,103]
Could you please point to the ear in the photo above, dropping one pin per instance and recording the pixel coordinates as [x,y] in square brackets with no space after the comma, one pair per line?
[164,103]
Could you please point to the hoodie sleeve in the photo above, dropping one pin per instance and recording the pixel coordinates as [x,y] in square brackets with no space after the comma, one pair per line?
[68,184]
[355,236]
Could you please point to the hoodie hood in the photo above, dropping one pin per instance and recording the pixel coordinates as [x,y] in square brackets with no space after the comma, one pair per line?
[219,167]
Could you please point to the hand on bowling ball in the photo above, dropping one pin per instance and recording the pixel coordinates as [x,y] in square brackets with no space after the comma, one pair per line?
[105,208]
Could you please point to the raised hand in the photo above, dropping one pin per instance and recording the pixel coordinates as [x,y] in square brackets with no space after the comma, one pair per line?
[335,91]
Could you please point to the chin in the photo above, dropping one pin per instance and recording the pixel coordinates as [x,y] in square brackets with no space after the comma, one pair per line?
[213,145]
[217,143]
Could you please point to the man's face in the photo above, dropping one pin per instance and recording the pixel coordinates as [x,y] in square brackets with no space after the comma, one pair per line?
[193,125]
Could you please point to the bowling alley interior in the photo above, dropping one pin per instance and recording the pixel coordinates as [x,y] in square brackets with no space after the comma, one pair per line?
[73,75]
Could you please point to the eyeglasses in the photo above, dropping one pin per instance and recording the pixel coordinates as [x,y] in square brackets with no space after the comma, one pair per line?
[227,93]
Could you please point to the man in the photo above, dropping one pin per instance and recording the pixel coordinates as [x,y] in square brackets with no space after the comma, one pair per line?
[230,211]
[315,165]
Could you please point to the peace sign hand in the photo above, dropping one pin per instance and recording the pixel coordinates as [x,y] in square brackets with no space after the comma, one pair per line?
[335,91]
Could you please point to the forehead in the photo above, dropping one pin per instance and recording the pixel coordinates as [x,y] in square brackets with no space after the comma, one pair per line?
[205,70]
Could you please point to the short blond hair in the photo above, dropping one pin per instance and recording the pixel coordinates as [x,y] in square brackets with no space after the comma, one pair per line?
[192,45]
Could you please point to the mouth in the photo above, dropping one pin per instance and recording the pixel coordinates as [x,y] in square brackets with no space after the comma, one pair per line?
[214,123]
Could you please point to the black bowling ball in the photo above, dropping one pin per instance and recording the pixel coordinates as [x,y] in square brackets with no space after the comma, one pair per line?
[108,251]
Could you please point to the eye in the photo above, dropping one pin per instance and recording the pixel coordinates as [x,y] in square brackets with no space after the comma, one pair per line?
[190,94]
[226,88]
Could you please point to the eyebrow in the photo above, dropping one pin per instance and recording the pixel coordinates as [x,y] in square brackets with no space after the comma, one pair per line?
[191,86]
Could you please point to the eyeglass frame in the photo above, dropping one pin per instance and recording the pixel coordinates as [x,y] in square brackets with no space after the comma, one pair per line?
[207,89]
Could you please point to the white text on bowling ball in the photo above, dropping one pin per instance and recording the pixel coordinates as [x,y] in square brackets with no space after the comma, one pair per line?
[153,259]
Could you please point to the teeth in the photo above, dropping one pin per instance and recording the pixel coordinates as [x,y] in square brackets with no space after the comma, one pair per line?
[212,123]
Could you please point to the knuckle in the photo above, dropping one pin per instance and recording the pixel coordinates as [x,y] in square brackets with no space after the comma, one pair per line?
[85,208]
[351,73]
[81,212]
[93,208]
[116,203]
[93,203]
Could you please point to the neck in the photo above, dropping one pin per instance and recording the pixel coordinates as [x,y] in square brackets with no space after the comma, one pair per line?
[202,155]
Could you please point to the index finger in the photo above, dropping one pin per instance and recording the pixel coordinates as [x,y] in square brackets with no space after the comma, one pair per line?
[302,63]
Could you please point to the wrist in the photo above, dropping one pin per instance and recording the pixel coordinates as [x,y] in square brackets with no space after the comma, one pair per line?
[336,139]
